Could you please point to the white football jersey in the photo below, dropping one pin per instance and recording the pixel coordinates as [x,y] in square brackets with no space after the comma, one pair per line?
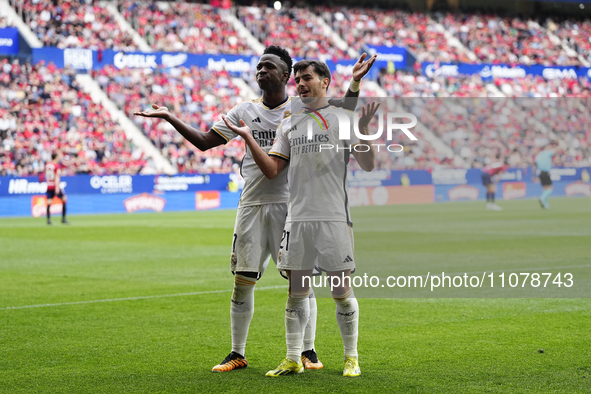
[317,173]
[263,122]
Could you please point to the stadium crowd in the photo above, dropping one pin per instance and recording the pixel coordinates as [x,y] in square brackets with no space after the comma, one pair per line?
[464,113]
[74,24]
[297,28]
[183,27]
[196,95]
[496,39]
[417,31]
[481,129]
[56,114]
[43,110]
[576,34]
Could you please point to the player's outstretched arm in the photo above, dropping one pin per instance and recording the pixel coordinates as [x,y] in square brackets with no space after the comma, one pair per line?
[270,166]
[367,159]
[360,70]
[202,140]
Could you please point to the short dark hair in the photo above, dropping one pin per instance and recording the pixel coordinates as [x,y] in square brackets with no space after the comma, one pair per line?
[54,155]
[283,55]
[320,68]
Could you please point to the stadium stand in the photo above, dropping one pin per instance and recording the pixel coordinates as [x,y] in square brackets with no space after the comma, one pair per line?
[74,24]
[199,96]
[480,129]
[540,87]
[43,110]
[4,22]
[296,28]
[404,84]
[391,28]
[496,39]
[576,34]
[196,95]
[183,27]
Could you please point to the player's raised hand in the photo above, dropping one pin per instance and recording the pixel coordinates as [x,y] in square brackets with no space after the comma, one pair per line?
[361,68]
[367,113]
[159,112]
[243,131]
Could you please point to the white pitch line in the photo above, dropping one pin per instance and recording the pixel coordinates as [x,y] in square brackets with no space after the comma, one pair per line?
[133,298]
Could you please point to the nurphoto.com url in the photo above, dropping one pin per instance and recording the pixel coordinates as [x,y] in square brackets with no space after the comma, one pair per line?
[442,281]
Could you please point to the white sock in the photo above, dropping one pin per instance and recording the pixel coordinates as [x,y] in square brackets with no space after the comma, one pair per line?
[310,332]
[348,319]
[297,313]
[241,311]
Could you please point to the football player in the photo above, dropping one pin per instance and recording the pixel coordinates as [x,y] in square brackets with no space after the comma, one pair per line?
[318,229]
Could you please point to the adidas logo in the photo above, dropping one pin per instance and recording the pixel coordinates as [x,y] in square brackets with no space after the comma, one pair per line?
[257,120]
[347,259]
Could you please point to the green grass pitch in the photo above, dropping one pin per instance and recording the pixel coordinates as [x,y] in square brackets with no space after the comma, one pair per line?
[140,304]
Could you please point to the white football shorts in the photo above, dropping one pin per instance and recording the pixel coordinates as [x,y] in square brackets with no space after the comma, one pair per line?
[325,245]
[257,237]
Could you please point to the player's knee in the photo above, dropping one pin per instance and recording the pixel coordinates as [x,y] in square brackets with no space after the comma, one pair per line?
[340,283]
[244,284]
[254,275]
[300,282]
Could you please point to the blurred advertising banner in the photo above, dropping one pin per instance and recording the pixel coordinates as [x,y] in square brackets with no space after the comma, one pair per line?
[207,200]
[488,71]
[144,202]
[87,59]
[391,195]
[9,41]
[513,190]
[116,184]
[39,206]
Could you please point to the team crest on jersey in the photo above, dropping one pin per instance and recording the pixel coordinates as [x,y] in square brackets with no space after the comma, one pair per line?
[233,260]
[279,257]
[286,114]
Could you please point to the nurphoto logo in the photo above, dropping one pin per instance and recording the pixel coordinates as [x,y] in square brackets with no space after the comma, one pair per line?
[392,124]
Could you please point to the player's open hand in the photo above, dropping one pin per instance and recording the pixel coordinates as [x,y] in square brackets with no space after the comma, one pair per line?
[361,68]
[159,112]
[367,113]
[243,131]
